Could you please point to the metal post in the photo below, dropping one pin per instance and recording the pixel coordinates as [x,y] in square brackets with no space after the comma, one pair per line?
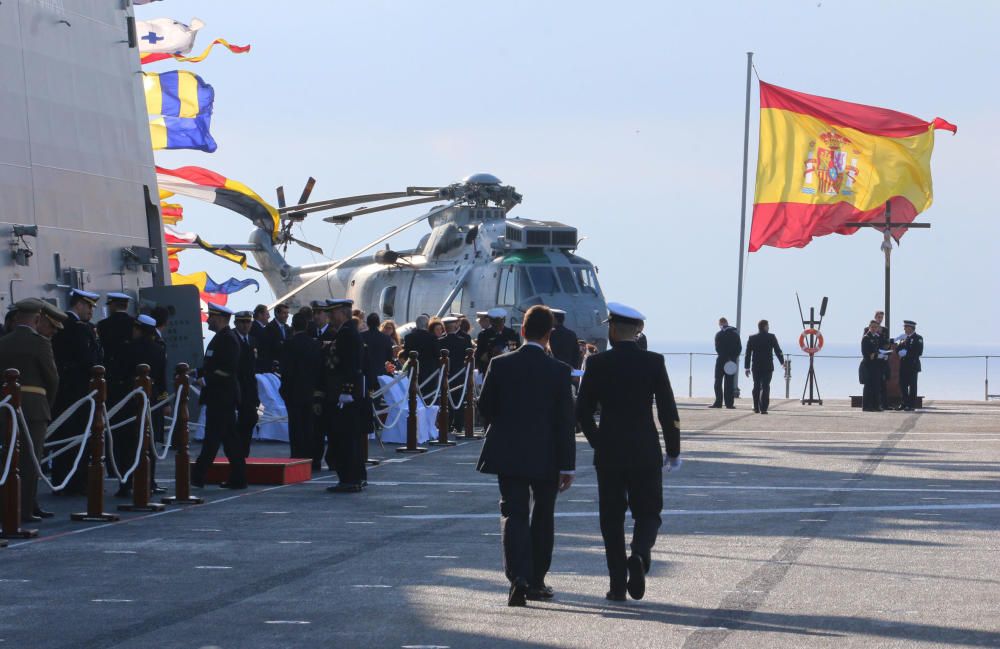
[95,470]
[444,412]
[411,415]
[987,378]
[743,211]
[470,394]
[182,460]
[887,248]
[141,484]
[11,490]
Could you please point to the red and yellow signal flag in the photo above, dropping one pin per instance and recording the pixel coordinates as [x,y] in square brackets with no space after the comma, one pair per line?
[825,162]
[152,57]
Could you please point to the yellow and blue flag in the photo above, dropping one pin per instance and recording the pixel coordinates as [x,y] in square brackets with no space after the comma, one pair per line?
[180,103]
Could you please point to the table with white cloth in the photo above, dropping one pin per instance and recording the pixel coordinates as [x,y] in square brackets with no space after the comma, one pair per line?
[396,397]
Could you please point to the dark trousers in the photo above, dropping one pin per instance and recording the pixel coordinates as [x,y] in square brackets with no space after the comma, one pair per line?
[871,397]
[640,490]
[527,529]
[62,465]
[761,388]
[724,383]
[345,443]
[300,429]
[246,421]
[220,428]
[29,474]
[908,386]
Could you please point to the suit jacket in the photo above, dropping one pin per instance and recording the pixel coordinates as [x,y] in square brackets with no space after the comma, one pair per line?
[270,343]
[428,351]
[728,345]
[914,346]
[247,372]
[76,351]
[564,346]
[623,381]
[760,348]
[138,351]
[378,351]
[31,354]
[220,371]
[528,406]
[301,363]
[115,331]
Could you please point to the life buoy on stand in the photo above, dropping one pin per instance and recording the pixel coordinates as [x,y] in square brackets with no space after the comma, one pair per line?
[813,344]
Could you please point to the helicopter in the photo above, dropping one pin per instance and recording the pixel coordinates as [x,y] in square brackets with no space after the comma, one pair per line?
[474,258]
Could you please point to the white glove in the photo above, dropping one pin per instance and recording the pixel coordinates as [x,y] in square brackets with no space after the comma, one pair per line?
[902,353]
[344,399]
[900,338]
[883,354]
[672,463]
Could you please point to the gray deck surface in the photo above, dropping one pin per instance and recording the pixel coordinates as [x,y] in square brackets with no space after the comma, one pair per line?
[808,527]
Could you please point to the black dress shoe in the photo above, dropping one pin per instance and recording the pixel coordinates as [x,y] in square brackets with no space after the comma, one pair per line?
[30,518]
[233,485]
[615,596]
[157,489]
[317,466]
[730,407]
[197,483]
[715,405]
[343,488]
[636,577]
[538,593]
[518,594]
[123,492]
[763,412]
[41,513]
[756,410]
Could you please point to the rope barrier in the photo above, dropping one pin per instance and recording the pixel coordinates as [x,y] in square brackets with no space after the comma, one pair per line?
[10,450]
[111,438]
[464,387]
[168,436]
[76,463]
[66,414]
[433,398]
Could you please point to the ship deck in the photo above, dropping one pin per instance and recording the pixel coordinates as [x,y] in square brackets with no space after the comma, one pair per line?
[811,526]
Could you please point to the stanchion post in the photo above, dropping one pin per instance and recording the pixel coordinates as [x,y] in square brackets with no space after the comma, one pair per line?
[444,402]
[11,528]
[182,460]
[411,416]
[95,468]
[470,395]
[140,478]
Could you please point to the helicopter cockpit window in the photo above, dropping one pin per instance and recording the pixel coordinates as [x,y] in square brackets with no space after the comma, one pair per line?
[586,279]
[566,279]
[507,291]
[388,301]
[544,280]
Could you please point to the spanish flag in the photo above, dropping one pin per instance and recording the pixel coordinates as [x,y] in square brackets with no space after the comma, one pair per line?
[152,57]
[825,162]
[209,186]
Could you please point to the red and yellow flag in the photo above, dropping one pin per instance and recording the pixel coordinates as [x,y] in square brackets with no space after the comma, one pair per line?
[825,162]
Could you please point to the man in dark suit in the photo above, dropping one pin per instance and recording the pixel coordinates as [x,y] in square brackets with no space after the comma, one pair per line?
[761,348]
[428,350]
[276,334]
[76,350]
[31,354]
[727,349]
[246,416]
[623,382]
[220,395]
[257,332]
[563,342]
[378,351]
[528,407]
[910,348]
[300,371]
[456,344]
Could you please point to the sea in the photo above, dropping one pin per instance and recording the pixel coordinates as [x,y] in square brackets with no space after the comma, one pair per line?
[953,372]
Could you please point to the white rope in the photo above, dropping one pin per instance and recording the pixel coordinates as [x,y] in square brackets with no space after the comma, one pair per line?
[10,450]
[76,463]
[464,386]
[396,381]
[144,413]
[168,437]
[433,398]
[66,414]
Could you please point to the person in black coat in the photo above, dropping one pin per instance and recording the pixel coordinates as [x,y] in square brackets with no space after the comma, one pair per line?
[623,382]
[428,350]
[885,345]
[76,351]
[301,363]
[142,349]
[871,368]
[220,395]
[496,340]
[114,332]
[910,347]
[727,349]
[341,397]
[761,349]
[246,416]
[563,342]
[527,403]
[378,351]
[276,334]
[457,345]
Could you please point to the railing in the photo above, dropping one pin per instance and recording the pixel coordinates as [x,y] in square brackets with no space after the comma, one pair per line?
[788,376]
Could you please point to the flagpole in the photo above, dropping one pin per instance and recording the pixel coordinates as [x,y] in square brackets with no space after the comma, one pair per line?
[743,211]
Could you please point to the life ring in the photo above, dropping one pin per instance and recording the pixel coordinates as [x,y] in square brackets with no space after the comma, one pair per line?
[804,346]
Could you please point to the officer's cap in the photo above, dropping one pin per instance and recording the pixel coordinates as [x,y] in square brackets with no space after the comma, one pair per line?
[449,319]
[243,316]
[86,296]
[558,312]
[118,297]
[339,302]
[55,315]
[28,305]
[218,309]
[145,321]
[318,305]
[909,323]
[497,312]
[482,314]
[618,312]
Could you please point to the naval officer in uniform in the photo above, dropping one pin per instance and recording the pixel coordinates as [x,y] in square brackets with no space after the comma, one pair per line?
[761,349]
[727,350]
[872,363]
[623,382]
[563,341]
[76,350]
[301,364]
[246,416]
[496,340]
[910,347]
[528,407]
[221,397]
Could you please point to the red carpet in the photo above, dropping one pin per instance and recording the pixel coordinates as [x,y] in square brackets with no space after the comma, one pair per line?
[264,470]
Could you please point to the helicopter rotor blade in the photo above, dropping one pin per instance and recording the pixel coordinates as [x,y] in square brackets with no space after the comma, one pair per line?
[306,245]
[318,206]
[307,190]
[338,264]
[344,218]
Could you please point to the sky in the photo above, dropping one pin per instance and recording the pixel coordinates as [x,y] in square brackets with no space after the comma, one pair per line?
[622,119]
